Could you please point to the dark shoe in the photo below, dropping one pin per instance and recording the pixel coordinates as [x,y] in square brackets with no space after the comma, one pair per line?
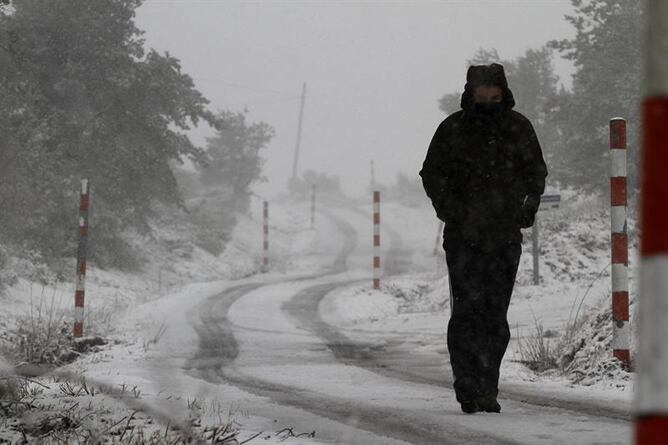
[470,406]
[488,404]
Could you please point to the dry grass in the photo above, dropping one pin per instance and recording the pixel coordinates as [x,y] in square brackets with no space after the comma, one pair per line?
[42,335]
[536,350]
[72,412]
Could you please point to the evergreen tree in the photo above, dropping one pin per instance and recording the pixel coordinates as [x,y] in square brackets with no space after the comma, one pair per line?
[234,156]
[606,51]
[83,98]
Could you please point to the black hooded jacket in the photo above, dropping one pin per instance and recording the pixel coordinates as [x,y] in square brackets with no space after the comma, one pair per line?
[479,170]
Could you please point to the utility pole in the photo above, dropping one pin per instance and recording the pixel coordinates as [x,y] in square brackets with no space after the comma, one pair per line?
[265,232]
[373,174]
[299,133]
[313,206]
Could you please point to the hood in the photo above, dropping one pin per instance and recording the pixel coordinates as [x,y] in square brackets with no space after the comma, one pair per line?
[486,75]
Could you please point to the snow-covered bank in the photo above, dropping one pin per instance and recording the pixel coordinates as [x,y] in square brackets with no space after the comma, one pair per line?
[198,350]
[571,304]
[144,315]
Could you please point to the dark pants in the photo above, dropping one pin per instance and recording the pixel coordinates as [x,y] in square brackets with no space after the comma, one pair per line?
[481,283]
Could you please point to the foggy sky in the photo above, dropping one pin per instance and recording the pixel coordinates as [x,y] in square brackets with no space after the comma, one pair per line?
[375,70]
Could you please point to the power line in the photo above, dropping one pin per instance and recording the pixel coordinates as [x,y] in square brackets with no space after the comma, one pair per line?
[242,86]
[269,101]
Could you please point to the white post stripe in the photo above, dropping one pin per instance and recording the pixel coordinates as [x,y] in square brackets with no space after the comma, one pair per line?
[621,334]
[620,280]
[618,219]
[652,360]
[81,282]
[618,164]
[79,314]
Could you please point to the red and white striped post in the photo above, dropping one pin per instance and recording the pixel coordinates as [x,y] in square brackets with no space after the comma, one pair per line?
[376,240]
[651,410]
[81,260]
[265,231]
[619,243]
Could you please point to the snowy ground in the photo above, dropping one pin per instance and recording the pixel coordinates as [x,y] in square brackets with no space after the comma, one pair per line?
[144,314]
[206,342]
[574,288]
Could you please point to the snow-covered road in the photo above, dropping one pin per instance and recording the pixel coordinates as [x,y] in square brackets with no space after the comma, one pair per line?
[268,337]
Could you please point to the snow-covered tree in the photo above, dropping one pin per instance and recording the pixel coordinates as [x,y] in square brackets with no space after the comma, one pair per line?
[234,160]
[81,97]
[606,51]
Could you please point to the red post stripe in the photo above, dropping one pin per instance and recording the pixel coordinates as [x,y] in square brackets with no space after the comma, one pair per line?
[651,430]
[376,283]
[376,196]
[654,198]
[376,240]
[620,306]
[376,261]
[618,191]
[620,249]
[79,298]
[624,356]
[84,203]
[617,133]
[376,218]
[78,329]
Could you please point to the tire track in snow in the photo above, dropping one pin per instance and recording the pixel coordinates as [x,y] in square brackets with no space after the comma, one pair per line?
[403,424]
[217,344]
[218,349]
[396,360]
[215,364]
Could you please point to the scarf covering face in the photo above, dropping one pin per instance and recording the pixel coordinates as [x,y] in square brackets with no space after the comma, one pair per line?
[489,114]
[493,75]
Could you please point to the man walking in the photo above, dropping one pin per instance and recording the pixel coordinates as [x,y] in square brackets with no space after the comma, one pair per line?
[484,173]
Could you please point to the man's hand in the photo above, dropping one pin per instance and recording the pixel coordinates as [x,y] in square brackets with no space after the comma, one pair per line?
[529,209]
[441,207]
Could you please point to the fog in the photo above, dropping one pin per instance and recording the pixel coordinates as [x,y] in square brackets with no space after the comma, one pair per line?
[375,70]
[147,302]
